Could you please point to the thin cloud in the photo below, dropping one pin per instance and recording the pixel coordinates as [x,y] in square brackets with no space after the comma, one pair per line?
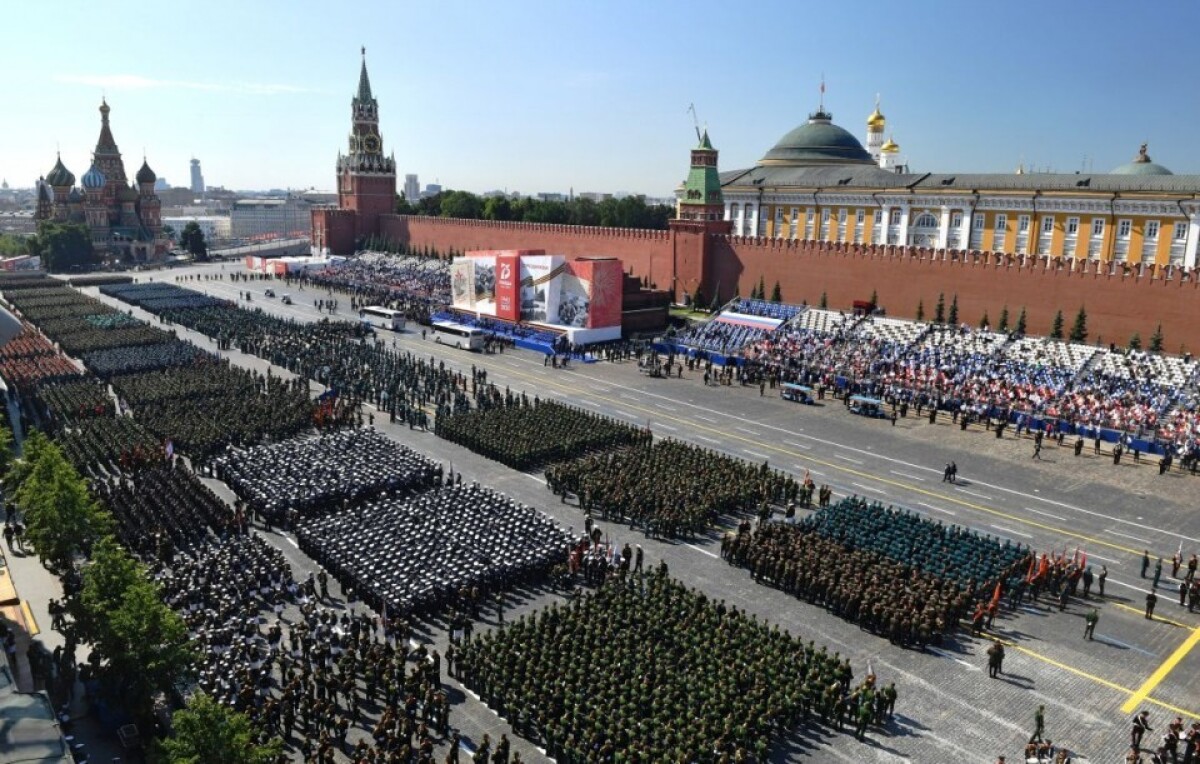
[138,82]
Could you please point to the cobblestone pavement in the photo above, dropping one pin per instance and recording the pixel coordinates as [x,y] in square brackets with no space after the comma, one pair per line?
[948,709]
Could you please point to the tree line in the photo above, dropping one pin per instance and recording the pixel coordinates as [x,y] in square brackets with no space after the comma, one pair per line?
[627,212]
[139,645]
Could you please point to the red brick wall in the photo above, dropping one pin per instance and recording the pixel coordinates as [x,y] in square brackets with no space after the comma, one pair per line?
[649,253]
[1117,305]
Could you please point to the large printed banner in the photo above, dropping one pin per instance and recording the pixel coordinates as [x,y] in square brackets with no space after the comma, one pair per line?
[529,285]
[462,284]
[508,286]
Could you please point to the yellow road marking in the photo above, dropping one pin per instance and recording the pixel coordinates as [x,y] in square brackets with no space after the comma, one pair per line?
[1157,617]
[835,465]
[1161,672]
[1136,696]
[30,622]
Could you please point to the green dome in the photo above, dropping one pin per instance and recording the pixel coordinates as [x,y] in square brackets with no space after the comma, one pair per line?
[1142,168]
[60,176]
[146,175]
[817,141]
[1142,165]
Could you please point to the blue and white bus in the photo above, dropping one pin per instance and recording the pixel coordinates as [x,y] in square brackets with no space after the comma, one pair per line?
[463,337]
[384,318]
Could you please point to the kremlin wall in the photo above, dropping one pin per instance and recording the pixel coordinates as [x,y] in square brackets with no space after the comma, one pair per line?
[823,215]
[1118,304]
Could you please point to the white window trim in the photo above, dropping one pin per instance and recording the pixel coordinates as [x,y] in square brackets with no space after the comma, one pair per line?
[1124,228]
[1072,226]
[1048,224]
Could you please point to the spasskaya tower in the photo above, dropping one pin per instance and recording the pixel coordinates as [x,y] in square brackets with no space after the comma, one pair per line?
[366,180]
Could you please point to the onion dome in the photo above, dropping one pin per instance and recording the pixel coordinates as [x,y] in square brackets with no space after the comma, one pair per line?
[146,175]
[60,176]
[127,194]
[890,146]
[1141,165]
[876,119]
[94,179]
[817,142]
[75,197]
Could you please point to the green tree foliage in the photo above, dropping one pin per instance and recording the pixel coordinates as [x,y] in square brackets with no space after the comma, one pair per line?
[63,246]
[1156,339]
[404,206]
[984,322]
[874,298]
[1021,322]
[762,288]
[952,316]
[169,232]
[627,212]
[6,449]
[206,731]
[1135,342]
[1056,330]
[62,519]
[142,644]
[824,305]
[1079,331]
[1003,319]
[698,299]
[776,294]
[192,240]
[13,246]
[461,204]
[939,312]
[920,310]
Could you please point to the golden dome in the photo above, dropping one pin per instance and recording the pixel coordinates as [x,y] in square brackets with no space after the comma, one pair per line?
[876,119]
[890,147]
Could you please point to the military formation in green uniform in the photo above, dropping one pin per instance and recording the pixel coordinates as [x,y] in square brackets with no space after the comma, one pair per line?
[905,578]
[646,670]
[669,488]
[524,434]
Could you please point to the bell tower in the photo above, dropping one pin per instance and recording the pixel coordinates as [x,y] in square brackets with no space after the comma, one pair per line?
[366,181]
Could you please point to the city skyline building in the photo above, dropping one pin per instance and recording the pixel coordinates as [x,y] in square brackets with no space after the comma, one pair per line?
[197,177]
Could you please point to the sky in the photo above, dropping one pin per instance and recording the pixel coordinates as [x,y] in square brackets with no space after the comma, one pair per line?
[533,95]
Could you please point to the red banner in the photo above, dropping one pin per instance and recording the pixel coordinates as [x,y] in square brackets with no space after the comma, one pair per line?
[606,285]
[508,286]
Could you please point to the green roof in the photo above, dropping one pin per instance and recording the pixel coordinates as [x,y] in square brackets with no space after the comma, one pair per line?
[364,83]
[818,141]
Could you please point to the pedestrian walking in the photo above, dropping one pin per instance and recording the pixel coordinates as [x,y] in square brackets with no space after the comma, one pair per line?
[1039,725]
[1145,562]
[1090,619]
[8,535]
[1102,578]
[1037,450]
[1151,601]
[1141,725]
[1157,572]
[1087,581]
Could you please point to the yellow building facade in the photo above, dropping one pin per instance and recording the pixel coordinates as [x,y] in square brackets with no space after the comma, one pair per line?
[819,183]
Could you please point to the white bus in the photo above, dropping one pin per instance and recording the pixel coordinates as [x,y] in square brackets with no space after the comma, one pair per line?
[385,318]
[459,336]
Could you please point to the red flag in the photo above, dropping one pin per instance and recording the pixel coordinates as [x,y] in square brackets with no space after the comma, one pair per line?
[996,596]
[1083,559]
[1029,573]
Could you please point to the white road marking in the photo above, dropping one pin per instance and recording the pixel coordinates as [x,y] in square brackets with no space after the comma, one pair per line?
[755,453]
[868,488]
[291,541]
[1102,557]
[1010,530]
[706,418]
[703,551]
[968,665]
[708,439]
[938,509]
[794,444]
[1114,641]
[541,480]
[849,458]
[1127,536]
[1060,518]
[668,408]
[630,397]
[976,493]
[746,430]
[667,427]
[1112,580]
[906,475]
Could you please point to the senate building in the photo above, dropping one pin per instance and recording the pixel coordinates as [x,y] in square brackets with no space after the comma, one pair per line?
[819,183]
[124,219]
